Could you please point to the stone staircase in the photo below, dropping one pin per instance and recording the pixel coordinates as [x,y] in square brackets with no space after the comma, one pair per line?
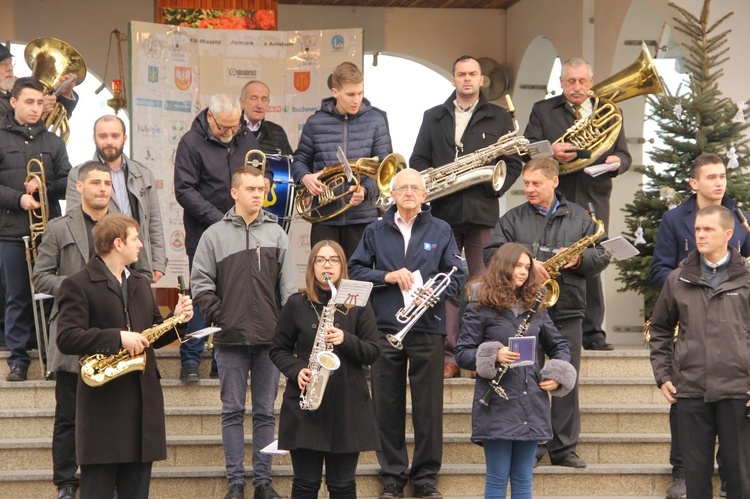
[624,440]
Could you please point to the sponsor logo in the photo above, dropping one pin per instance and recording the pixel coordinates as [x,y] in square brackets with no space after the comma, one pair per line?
[153,74]
[243,73]
[150,156]
[429,246]
[176,130]
[147,129]
[302,109]
[337,42]
[308,45]
[178,41]
[275,109]
[152,48]
[183,77]
[181,106]
[143,102]
[301,80]
[177,240]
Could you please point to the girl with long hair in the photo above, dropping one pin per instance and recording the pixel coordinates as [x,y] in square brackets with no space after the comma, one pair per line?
[509,430]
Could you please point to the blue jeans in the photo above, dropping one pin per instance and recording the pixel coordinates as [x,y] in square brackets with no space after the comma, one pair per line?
[509,459]
[19,318]
[234,364]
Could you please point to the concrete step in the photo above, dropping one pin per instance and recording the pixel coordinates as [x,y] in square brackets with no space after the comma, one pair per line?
[454,481]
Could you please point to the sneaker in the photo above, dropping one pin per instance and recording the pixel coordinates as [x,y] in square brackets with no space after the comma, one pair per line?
[236,491]
[570,461]
[391,490]
[427,490]
[190,373]
[17,373]
[677,490]
[66,492]
[266,491]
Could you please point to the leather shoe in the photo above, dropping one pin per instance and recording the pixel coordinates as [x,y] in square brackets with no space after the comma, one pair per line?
[66,492]
[17,373]
[266,491]
[599,344]
[391,490]
[450,370]
[190,373]
[236,491]
[570,461]
[427,490]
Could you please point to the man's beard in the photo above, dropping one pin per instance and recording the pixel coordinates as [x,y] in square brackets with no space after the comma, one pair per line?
[7,84]
[226,140]
[109,157]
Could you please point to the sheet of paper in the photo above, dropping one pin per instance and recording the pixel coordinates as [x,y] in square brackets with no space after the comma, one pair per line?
[541,148]
[596,170]
[619,248]
[345,164]
[273,448]
[353,293]
[202,333]
[409,293]
[42,296]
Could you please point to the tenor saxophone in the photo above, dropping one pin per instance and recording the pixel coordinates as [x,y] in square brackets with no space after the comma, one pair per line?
[322,360]
[98,369]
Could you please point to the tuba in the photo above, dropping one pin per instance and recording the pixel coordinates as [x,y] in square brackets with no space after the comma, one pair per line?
[555,264]
[322,360]
[598,132]
[335,180]
[49,60]
[37,223]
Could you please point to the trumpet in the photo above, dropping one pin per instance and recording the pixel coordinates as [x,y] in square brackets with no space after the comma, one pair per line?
[37,223]
[424,298]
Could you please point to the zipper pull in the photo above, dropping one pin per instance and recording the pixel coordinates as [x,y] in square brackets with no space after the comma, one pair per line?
[257,254]
[686,245]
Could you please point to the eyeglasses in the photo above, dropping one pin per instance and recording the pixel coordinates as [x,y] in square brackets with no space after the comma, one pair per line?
[404,188]
[334,261]
[9,62]
[225,129]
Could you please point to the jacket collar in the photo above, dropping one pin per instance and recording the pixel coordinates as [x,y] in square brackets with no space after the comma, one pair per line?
[691,208]
[422,217]
[263,217]
[328,105]
[691,271]
[10,124]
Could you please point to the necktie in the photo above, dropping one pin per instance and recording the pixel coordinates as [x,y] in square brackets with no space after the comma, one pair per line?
[577,110]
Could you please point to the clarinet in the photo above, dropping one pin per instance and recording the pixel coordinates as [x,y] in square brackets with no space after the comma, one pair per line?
[521,331]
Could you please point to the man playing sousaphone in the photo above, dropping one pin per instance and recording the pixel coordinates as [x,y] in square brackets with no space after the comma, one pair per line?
[549,120]
[546,223]
[349,121]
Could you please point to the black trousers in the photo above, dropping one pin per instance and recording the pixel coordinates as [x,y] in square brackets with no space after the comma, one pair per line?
[347,236]
[423,357]
[566,415]
[699,424]
[308,471]
[675,453]
[132,480]
[64,465]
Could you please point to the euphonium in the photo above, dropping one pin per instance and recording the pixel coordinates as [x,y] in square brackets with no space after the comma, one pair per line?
[334,178]
[98,369]
[322,360]
[555,264]
[598,132]
[424,298]
[49,60]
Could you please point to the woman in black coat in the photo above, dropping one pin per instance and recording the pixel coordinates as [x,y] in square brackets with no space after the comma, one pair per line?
[509,430]
[344,423]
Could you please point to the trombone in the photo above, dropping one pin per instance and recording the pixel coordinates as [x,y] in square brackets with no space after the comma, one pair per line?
[37,223]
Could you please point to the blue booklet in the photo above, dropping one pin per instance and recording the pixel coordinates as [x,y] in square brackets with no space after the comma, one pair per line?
[526,346]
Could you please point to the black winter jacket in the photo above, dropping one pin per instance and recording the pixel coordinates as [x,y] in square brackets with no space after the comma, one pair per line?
[272,139]
[566,226]
[432,250]
[363,135]
[203,169]
[436,146]
[18,145]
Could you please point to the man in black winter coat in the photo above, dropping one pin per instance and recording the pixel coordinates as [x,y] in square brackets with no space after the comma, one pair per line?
[254,99]
[463,124]
[23,137]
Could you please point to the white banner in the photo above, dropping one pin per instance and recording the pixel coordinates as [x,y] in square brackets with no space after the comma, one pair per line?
[175,70]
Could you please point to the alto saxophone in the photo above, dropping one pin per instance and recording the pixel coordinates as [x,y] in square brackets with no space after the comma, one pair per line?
[555,264]
[99,369]
[322,360]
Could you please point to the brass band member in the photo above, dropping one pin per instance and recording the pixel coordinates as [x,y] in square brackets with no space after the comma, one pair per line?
[103,308]
[549,120]
[344,425]
[407,239]
[547,222]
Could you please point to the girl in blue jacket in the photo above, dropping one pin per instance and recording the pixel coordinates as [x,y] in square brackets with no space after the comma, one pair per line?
[509,430]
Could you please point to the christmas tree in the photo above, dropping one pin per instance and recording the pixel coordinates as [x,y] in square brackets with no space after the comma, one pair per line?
[693,120]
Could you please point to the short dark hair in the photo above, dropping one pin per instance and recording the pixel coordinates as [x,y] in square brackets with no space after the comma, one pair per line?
[726,219]
[547,164]
[707,158]
[85,169]
[26,82]
[110,117]
[463,58]
[244,170]
[112,226]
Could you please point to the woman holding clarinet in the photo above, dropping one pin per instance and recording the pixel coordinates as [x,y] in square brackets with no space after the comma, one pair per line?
[511,410]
